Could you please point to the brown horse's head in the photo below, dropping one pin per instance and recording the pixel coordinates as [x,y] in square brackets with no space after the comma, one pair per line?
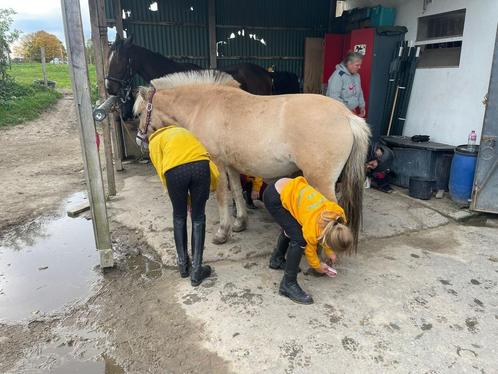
[120,71]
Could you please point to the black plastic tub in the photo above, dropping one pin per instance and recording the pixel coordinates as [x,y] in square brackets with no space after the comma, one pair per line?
[421,188]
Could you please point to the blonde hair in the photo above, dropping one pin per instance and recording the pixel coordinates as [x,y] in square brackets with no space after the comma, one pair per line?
[334,232]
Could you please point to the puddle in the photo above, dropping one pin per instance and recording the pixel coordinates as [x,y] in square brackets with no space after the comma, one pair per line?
[46,264]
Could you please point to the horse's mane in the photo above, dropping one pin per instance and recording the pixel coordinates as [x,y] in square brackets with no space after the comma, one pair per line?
[192,77]
[184,78]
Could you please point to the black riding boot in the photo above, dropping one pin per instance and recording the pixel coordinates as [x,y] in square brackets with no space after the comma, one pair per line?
[277,259]
[289,286]
[199,272]
[180,233]
[246,192]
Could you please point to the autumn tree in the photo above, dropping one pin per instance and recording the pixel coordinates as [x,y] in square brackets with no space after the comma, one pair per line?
[30,46]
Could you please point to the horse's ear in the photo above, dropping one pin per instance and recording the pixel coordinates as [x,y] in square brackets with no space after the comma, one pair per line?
[128,41]
[143,92]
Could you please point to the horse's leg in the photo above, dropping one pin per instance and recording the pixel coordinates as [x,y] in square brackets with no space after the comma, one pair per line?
[222,196]
[240,222]
[324,178]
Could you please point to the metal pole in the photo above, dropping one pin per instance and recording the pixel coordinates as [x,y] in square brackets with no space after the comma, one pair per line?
[75,44]
[44,67]
[212,34]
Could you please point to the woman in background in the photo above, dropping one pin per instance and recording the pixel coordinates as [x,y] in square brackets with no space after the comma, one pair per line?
[345,84]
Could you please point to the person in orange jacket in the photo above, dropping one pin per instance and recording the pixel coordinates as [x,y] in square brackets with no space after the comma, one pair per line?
[307,220]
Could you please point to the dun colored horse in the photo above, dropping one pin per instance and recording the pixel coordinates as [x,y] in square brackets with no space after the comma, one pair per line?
[269,136]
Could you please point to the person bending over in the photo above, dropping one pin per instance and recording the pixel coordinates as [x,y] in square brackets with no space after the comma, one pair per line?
[307,220]
[184,167]
[378,167]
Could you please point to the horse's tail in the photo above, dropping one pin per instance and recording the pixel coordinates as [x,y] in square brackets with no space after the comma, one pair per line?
[353,176]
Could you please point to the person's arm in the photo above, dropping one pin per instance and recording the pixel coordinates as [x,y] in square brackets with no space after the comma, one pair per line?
[361,100]
[312,256]
[330,254]
[335,87]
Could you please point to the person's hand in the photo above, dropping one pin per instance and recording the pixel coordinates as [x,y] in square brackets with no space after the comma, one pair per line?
[363,112]
[332,257]
[372,164]
[323,268]
[254,195]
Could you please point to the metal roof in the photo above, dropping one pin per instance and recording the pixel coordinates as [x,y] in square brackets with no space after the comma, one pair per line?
[264,32]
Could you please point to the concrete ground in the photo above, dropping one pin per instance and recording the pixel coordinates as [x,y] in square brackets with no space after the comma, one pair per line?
[420,296]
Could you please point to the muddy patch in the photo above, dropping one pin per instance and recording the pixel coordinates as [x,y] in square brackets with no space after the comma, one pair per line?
[45,265]
[433,242]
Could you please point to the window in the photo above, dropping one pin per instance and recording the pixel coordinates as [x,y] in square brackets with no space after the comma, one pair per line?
[440,38]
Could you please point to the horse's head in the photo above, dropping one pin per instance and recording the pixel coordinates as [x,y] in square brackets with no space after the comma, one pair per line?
[150,119]
[120,70]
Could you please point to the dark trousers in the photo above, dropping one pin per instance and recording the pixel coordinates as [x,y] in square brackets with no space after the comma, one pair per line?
[290,226]
[195,178]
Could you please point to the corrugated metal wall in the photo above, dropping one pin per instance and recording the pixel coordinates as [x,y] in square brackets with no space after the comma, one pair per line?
[178,29]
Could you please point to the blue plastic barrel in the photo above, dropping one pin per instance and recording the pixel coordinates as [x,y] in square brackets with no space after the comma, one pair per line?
[462,172]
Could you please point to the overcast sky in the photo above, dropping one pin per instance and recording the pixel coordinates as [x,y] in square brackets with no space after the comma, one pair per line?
[35,15]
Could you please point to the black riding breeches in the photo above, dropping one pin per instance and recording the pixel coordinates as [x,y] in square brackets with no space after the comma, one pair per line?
[193,178]
[290,226]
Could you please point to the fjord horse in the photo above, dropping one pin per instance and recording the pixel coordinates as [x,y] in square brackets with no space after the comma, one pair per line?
[269,136]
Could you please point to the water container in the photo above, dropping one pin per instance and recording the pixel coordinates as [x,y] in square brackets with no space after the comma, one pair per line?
[462,172]
[421,187]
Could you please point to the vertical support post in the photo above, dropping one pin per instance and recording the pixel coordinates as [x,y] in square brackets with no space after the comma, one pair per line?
[75,44]
[44,67]
[104,43]
[99,67]
[118,17]
[332,13]
[212,33]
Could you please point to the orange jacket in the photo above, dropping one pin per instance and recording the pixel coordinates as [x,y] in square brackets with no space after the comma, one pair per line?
[306,205]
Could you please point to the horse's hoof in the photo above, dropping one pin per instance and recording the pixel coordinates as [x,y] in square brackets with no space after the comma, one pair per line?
[239,225]
[220,238]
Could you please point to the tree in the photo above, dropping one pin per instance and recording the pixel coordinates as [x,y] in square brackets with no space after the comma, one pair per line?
[30,46]
[7,37]
[89,51]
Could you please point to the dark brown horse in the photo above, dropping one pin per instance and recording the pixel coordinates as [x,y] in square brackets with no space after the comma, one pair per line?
[127,59]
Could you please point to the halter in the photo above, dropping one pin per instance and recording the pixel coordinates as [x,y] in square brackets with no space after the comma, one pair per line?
[142,135]
[125,82]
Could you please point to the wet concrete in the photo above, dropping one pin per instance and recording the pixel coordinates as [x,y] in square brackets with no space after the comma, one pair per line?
[46,264]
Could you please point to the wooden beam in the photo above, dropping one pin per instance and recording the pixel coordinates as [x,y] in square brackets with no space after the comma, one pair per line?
[44,67]
[99,67]
[104,41]
[212,33]
[118,16]
[75,45]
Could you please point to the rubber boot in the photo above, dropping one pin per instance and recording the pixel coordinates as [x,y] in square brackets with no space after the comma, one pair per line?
[180,234]
[199,272]
[289,286]
[277,259]
[246,192]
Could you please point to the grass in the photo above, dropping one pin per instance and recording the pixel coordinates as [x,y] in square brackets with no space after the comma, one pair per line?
[26,108]
[26,73]
[23,102]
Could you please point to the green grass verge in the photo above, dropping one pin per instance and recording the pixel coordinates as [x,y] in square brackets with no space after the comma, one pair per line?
[27,72]
[26,108]
[22,101]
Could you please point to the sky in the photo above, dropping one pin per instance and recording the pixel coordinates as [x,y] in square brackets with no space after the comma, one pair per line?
[36,15]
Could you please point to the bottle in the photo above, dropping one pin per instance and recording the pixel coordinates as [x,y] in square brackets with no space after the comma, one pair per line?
[472,141]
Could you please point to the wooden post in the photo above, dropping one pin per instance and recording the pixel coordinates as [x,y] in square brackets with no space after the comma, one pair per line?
[44,67]
[104,43]
[75,44]
[99,67]
[212,33]
[118,17]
